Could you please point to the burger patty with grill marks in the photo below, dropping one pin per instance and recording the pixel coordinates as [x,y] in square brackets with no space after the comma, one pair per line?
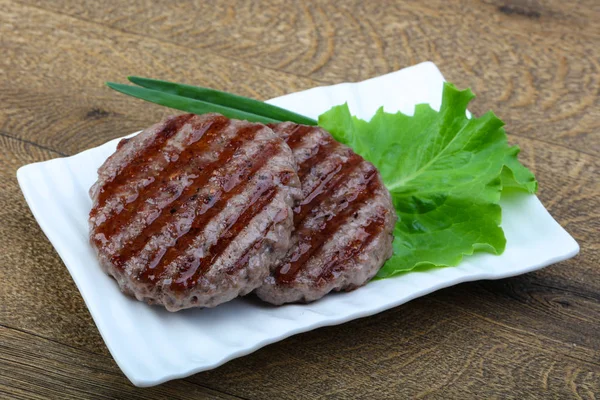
[343,227]
[195,210]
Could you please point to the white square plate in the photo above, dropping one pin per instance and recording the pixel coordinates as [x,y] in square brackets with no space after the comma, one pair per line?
[152,346]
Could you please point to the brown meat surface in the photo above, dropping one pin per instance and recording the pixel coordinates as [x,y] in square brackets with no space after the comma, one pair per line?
[343,227]
[194,210]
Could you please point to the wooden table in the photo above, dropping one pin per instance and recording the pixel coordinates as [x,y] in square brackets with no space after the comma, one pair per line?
[535,63]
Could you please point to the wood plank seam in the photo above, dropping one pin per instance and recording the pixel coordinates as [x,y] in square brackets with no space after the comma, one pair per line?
[588,295]
[85,350]
[29,142]
[524,332]
[534,139]
[26,332]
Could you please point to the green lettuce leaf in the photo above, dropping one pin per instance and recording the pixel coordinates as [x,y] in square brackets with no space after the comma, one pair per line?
[445,173]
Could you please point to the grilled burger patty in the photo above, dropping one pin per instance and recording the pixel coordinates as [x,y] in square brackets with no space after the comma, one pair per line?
[195,210]
[343,227]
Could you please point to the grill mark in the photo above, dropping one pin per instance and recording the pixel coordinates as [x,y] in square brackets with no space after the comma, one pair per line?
[312,240]
[320,188]
[297,135]
[187,199]
[323,151]
[243,260]
[217,203]
[309,238]
[190,271]
[115,223]
[141,161]
[332,181]
[353,249]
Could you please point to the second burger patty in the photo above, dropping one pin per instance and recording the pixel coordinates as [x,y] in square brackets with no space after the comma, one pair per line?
[343,227]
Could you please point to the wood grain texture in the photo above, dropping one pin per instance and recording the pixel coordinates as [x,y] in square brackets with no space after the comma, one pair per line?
[535,63]
[33,367]
[530,60]
[426,349]
[53,91]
